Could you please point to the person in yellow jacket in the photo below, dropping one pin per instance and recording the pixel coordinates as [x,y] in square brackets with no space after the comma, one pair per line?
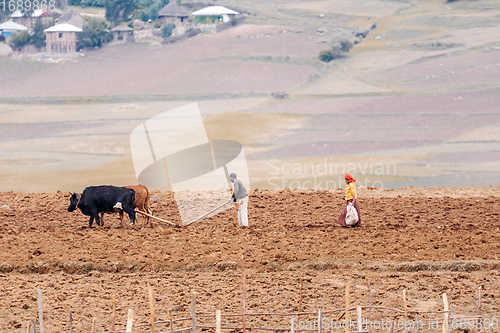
[350,196]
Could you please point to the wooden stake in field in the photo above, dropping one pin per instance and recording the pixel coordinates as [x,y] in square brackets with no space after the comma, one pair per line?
[93,325]
[152,308]
[113,322]
[193,311]
[171,321]
[320,315]
[70,322]
[40,309]
[347,303]
[218,317]
[34,325]
[405,305]
[28,327]
[479,301]
[244,293]
[369,306]
[360,319]
[130,321]
[300,295]
[446,314]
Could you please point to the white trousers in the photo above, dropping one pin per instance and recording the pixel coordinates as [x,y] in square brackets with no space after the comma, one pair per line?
[243,212]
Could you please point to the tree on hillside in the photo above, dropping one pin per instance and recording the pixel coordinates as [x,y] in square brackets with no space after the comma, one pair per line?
[337,50]
[38,37]
[21,39]
[148,9]
[118,11]
[94,33]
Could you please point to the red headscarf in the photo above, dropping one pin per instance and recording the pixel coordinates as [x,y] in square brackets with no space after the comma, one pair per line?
[349,178]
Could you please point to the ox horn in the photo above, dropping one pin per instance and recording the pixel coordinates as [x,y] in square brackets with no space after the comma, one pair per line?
[71,193]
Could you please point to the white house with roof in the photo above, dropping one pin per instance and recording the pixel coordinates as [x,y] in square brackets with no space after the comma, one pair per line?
[21,18]
[62,38]
[214,14]
[9,27]
[24,18]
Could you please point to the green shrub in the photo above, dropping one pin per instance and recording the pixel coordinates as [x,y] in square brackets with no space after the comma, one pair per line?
[326,56]
[345,45]
[21,39]
[337,50]
[167,30]
[94,33]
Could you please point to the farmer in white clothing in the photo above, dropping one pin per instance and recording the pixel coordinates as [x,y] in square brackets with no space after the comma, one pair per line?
[240,195]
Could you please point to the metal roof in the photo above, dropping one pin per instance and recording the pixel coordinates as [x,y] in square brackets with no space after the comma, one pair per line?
[63,27]
[17,13]
[40,13]
[9,25]
[214,11]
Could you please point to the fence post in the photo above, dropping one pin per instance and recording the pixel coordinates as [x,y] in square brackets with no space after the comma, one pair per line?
[113,323]
[450,321]
[218,321]
[320,328]
[70,322]
[130,321]
[34,325]
[171,321]
[446,314]
[28,327]
[370,307]
[93,325]
[300,295]
[244,293]
[347,302]
[479,301]
[405,304]
[360,319]
[152,308]
[193,311]
[40,309]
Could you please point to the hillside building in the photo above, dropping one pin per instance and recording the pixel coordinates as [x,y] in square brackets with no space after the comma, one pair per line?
[62,38]
[9,27]
[214,15]
[123,33]
[173,13]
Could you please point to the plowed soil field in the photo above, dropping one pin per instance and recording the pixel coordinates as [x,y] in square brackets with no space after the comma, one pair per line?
[427,241]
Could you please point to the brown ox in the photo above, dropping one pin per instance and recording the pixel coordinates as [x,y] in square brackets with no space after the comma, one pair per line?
[141,202]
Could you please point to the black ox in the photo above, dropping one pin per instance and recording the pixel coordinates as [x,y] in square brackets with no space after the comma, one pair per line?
[98,199]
